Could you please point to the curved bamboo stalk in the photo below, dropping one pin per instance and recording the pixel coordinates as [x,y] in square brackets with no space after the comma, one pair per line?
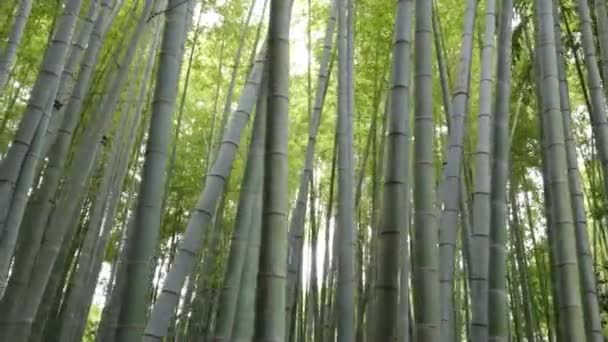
[200,216]
[450,187]
[250,193]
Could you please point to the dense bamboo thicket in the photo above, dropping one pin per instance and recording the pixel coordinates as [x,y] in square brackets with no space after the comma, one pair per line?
[304,170]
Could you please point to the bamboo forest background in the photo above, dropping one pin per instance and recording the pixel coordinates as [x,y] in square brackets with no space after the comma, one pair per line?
[303,170]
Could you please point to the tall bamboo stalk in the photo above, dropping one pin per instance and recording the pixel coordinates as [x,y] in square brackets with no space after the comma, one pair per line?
[498,328]
[570,299]
[425,253]
[392,239]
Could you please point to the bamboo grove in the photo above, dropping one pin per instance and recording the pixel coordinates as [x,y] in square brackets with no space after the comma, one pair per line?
[303,170]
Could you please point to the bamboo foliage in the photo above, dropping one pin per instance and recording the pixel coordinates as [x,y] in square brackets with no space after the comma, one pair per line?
[296,224]
[343,217]
[8,54]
